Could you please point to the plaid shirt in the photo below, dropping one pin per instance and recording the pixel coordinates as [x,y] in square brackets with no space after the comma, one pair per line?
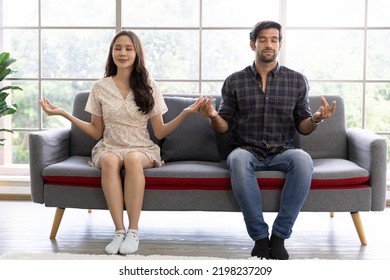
[265,123]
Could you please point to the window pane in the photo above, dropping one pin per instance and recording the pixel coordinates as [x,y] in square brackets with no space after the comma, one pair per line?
[168,88]
[353,98]
[75,53]
[20,150]
[378,55]
[25,52]
[326,54]
[243,13]
[160,13]
[211,88]
[378,13]
[78,13]
[330,13]
[27,101]
[62,93]
[225,52]
[171,54]
[377,107]
[13,15]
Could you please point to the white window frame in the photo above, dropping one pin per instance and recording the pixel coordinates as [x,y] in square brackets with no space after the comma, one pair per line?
[23,169]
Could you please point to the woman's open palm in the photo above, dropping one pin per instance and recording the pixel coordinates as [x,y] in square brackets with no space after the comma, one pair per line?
[50,108]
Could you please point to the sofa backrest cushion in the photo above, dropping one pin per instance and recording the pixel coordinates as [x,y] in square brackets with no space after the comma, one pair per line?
[193,139]
[80,143]
[329,140]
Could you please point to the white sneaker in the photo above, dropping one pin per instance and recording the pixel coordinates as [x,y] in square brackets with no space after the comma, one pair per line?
[130,244]
[113,247]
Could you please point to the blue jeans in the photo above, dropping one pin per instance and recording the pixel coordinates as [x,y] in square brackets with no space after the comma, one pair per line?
[297,165]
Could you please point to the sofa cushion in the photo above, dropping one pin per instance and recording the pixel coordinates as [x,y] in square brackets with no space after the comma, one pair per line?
[193,139]
[330,138]
[80,143]
[202,175]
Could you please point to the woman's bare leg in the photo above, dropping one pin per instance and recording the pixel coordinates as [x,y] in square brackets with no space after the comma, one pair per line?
[134,187]
[111,165]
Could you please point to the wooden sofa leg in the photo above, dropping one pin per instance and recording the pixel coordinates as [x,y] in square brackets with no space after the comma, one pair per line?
[331,214]
[56,222]
[359,227]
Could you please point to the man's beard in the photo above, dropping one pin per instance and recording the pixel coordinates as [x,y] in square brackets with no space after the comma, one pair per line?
[267,58]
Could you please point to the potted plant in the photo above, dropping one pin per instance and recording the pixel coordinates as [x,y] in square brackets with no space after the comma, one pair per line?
[6,109]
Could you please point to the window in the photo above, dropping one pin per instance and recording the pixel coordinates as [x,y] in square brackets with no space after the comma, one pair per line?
[59,52]
[191,46]
[351,55]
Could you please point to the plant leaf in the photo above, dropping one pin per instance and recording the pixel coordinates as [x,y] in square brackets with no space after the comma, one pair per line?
[4,56]
[8,109]
[5,61]
[5,73]
[3,96]
[10,87]
[7,130]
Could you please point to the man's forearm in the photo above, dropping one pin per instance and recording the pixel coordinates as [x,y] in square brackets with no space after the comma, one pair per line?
[219,124]
[308,125]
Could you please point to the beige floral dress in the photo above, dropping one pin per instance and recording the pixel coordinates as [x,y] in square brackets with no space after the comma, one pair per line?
[125,128]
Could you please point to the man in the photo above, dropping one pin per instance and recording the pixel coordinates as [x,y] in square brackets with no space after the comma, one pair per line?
[264,105]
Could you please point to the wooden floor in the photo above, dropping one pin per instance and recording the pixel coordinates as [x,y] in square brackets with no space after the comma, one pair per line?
[25,227]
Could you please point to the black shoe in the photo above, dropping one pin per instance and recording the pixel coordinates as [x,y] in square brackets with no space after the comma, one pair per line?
[277,249]
[261,249]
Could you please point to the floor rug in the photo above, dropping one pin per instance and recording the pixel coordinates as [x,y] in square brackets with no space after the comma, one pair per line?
[66,256]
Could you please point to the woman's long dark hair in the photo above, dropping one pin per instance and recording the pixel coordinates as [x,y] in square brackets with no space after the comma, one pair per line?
[139,78]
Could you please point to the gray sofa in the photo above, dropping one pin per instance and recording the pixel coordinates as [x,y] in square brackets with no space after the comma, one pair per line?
[349,168]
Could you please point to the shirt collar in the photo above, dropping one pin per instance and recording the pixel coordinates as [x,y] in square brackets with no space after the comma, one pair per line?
[274,71]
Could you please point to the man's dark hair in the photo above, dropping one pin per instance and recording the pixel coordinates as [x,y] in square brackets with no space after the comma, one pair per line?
[264,25]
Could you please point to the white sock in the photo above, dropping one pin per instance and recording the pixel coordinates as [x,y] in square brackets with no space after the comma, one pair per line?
[130,245]
[113,247]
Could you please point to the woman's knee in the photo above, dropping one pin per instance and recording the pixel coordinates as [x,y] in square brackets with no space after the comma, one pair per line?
[136,160]
[110,161]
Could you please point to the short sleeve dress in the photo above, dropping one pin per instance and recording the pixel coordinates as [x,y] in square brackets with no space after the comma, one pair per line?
[125,126]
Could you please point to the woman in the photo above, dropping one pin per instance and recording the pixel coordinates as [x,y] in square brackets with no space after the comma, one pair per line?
[120,105]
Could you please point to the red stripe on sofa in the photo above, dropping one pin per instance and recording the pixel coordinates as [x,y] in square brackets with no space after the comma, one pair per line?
[278,182]
[202,183]
[213,188]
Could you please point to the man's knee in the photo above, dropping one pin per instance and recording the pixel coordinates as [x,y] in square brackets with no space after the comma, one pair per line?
[238,157]
[302,159]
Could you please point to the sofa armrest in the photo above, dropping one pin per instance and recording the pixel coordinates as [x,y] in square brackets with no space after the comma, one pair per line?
[369,151]
[46,147]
